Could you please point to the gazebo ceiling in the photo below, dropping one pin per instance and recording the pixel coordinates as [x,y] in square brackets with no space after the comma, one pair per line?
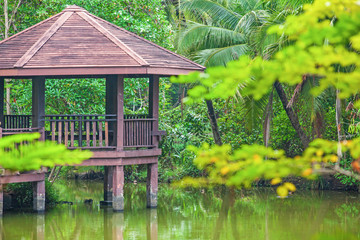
[75,42]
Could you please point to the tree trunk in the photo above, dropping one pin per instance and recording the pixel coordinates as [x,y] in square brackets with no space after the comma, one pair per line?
[292,116]
[338,127]
[213,122]
[6,34]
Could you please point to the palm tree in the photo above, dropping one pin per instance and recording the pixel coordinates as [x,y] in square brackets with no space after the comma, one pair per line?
[218,31]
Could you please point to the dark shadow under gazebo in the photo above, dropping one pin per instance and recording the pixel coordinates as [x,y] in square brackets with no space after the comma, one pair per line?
[77,44]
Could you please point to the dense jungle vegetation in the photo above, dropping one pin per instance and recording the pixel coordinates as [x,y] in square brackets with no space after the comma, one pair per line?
[265,99]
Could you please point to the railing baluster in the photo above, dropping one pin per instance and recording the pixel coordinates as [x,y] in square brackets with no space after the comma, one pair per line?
[72,132]
[87,133]
[106,134]
[66,135]
[59,132]
[80,130]
[53,131]
[100,135]
[94,133]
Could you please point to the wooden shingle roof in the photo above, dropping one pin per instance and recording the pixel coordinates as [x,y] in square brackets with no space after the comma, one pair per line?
[75,42]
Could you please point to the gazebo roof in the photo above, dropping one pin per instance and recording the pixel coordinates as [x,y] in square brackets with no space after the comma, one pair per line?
[75,42]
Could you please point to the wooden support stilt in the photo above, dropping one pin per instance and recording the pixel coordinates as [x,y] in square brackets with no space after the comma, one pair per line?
[151,225]
[118,188]
[108,185]
[152,185]
[1,200]
[39,196]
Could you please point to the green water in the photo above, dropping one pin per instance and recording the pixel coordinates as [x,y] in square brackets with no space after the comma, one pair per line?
[191,214]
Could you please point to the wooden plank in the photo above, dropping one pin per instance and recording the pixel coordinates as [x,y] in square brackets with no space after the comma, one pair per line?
[94,133]
[34,177]
[53,131]
[114,39]
[59,132]
[44,38]
[106,134]
[72,133]
[100,134]
[88,134]
[66,137]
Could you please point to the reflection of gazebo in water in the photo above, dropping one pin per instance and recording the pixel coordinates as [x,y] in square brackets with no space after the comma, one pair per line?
[76,44]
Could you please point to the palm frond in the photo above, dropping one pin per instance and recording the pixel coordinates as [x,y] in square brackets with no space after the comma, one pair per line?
[221,56]
[250,20]
[199,36]
[219,14]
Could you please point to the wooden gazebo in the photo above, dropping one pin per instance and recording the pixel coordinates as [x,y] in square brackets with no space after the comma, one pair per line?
[77,44]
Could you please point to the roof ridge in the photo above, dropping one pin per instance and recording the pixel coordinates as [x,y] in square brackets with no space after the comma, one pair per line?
[154,44]
[30,28]
[42,40]
[111,37]
[74,8]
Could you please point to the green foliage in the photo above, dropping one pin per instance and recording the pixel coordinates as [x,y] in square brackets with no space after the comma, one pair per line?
[17,156]
[326,40]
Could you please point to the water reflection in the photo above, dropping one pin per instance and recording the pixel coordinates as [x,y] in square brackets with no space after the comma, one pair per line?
[191,214]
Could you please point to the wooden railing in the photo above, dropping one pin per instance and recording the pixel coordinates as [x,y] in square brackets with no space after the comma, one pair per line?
[81,131]
[7,132]
[88,131]
[16,121]
[138,132]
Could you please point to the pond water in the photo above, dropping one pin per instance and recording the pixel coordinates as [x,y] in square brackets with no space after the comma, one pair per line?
[190,214]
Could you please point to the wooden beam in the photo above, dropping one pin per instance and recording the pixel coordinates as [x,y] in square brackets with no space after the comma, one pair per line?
[30,177]
[120,113]
[38,101]
[53,71]
[2,91]
[118,161]
[154,105]
[44,38]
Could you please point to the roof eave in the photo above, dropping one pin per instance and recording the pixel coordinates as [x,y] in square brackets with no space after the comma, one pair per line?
[92,70]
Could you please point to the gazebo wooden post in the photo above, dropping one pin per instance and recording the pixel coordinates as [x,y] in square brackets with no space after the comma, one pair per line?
[108,185]
[120,113]
[2,89]
[110,108]
[38,114]
[152,172]
[118,171]
[118,189]
[38,102]
[1,200]
[39,196]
